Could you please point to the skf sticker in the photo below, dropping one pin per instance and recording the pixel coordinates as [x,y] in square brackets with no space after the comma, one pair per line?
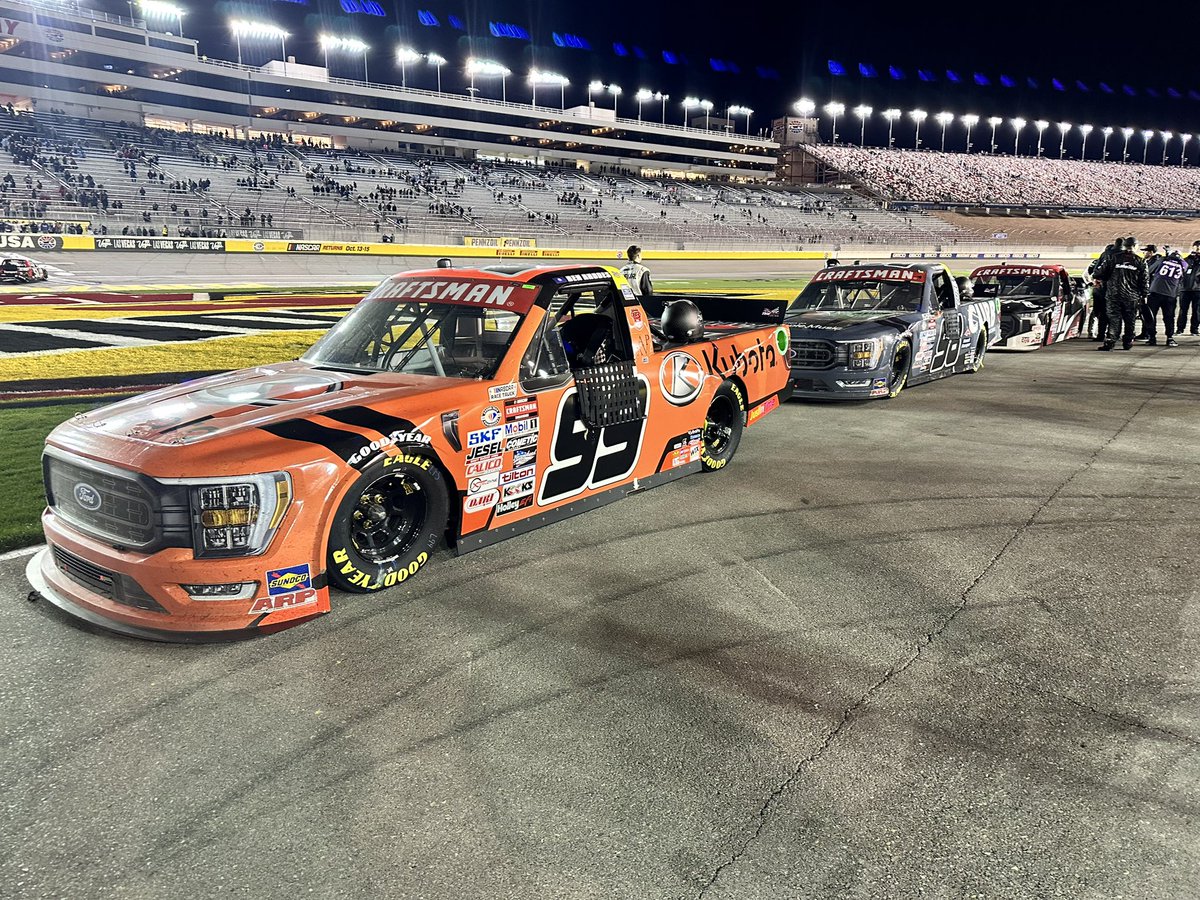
[502,392]
[483,436]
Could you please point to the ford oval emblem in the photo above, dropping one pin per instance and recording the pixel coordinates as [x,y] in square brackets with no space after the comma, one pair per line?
[87,496]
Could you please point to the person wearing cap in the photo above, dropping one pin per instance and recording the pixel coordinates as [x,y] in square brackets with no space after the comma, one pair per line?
[1189,293]
[1151,255]
[636,274]
[1126,283]
[1166,275]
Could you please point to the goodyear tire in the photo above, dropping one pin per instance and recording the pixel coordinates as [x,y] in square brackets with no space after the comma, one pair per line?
[723,426]
[901,363]
[388,524]
[980,352]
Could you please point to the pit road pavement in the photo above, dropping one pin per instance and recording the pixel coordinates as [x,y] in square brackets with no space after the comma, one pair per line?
[942,646]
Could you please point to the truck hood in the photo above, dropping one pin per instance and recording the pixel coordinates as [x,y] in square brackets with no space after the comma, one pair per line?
[848,324]
[213,408]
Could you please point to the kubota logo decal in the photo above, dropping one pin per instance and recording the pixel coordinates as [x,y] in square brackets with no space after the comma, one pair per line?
[681,378]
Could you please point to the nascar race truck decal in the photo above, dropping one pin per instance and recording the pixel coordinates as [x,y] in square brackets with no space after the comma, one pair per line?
[450,406]
[1039,305]
[861,332]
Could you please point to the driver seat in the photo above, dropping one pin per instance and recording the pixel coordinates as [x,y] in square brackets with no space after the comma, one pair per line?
[587,338]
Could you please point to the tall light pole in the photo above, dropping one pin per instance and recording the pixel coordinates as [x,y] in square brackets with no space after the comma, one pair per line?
[664,98]
[1167,136]
[1018,124]
[594,87]
[641,97]
[1041,125]
[158,9]
[804,107]
[437,61]
[1107,131]
[350,45]
[1085,130]
[688,103]
[1064,128]
[486,68]
[835,109]
[615,90]
[863,112]
[918,116]
[259,31]
[742,111]
[891,115]
[970,120]
[1187,139]
[944,119]
[707,106]
[994,121]
[1146,136]
[406,56]
[549,79]
[1126,133]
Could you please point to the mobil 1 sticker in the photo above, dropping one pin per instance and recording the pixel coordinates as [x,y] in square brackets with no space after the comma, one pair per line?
[524,426]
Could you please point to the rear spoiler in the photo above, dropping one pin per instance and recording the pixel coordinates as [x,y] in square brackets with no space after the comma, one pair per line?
[722,310]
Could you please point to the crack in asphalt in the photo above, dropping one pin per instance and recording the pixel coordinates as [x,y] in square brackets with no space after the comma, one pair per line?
[775,798]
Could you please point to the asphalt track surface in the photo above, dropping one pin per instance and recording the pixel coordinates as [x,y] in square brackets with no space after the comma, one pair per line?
[939,646]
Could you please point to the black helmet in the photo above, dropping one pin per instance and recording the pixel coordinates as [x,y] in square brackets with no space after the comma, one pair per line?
[682,322]
[966,287]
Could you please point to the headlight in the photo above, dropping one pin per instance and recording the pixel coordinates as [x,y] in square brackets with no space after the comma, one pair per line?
[237,516]
[864,354]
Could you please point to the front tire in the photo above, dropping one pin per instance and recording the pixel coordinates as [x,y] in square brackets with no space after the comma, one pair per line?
[388,524]
[901,362]
[723,426]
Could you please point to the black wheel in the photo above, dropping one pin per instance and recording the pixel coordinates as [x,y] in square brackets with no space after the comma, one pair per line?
[723,426]
[980,352]
[388,525]
[901,360]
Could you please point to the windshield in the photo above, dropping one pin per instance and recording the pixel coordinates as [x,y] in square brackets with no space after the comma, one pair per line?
[451,328]
[1015,285]
[860,295]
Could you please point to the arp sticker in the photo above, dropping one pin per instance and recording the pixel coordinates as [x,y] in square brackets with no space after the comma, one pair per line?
[278,602]
[288,580]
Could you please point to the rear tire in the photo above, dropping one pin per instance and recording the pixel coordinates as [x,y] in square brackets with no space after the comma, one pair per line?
[388,524]
[980,353]
[723,426]
[901,362]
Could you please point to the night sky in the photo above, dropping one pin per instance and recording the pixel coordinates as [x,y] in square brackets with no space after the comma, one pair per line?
[1039,40]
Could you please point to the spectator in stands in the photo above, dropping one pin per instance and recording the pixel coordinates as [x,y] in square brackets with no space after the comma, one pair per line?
[1166,275]
[1126,283]
[636,274]
[1189,294]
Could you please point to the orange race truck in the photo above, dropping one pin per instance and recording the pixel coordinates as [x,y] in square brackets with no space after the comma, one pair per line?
[450,406]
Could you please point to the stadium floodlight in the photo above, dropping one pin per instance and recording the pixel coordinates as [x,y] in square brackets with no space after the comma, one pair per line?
[594,87]
[641,97]
[1085,130]
[707,106]
[406,56]
[157,9]
[863,112]
[1126,133]
[350,45]
[891,115]
[486,68]
[549,79]
[688,103]
[970,120]
[1147,135]
[258,31]
[1064,128]
[1166,139]
[1041,125]
[741,111]
[1187,139]
[944,118]
[615,90]
[437,61]
[804,107]
[918,116]
[994,121]
[835,109]
[1018,124]
[1107,131]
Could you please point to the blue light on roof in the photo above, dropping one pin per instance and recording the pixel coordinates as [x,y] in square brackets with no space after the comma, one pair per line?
[507,30]
[835,67]
[1031,82]
[1056,84]
[1195,95]
[1104,87]
[982,79]
[425,17]
[953,76]
[717,65]
[1174,94]
[896,72]
[866,70]
[670,58]
[733,67]
[926,75]
[639,52]
[1151,92]
[767,73]
[1007,81]
[456,23]
[362,7]
[620,49]
[1082,86]
[1128,90]
[573,41]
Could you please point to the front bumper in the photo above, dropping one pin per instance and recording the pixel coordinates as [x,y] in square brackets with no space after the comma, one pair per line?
[142,595]
[1020,336]
[839,384]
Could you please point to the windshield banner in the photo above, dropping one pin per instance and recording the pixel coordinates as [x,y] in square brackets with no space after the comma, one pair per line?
[510,296]
[914,276]
[1014,271]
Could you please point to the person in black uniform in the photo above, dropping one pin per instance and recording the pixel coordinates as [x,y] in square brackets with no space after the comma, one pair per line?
[1099,306]
[1151,255]
[1189,295]
[1127,284]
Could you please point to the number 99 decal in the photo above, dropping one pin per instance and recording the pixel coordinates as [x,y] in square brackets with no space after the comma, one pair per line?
[583,459]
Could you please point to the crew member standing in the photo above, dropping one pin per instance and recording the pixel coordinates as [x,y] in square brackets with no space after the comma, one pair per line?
[1099,305]
[1189,293]
[1151,255]
[636,274]
[1166,275]
[1126,284]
